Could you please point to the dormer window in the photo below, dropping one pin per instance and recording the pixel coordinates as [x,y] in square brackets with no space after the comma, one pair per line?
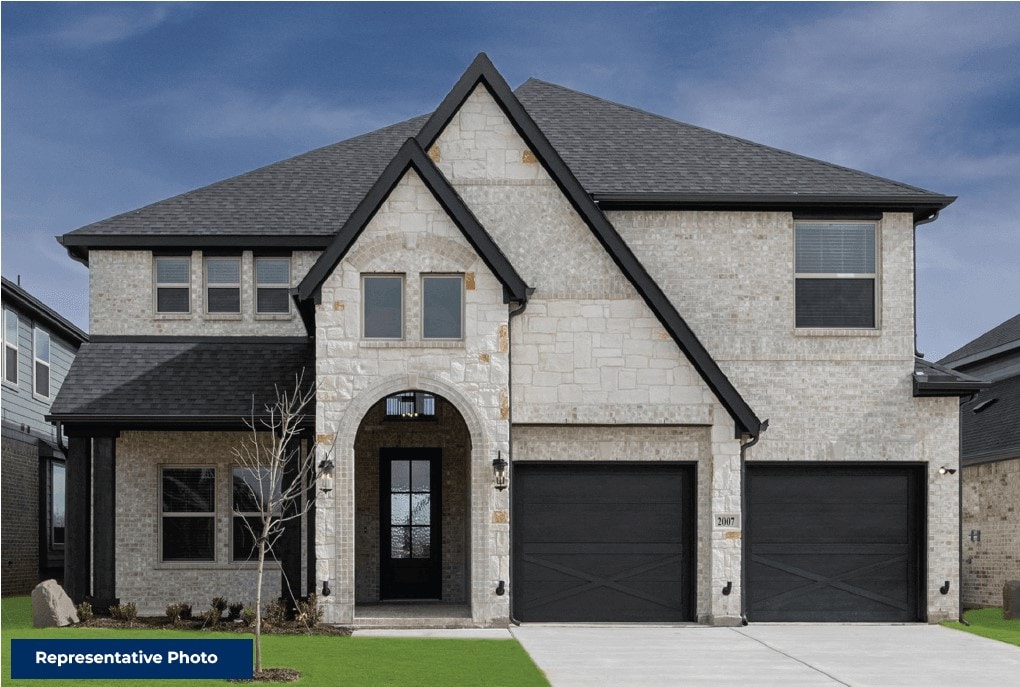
[223,285]
[173,284]
[272,286]
[410,405]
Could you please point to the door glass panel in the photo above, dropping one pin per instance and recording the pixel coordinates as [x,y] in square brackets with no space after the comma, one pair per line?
[420,542]
[400,542]
[400,475]
[420,475]
[421,507]
[400,509]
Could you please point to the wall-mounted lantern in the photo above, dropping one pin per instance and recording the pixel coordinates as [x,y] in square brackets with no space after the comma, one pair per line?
[326,475]
[946,470]
[501,478]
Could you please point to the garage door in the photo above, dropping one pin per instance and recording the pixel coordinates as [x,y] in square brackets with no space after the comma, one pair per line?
[602,543]
[834,543]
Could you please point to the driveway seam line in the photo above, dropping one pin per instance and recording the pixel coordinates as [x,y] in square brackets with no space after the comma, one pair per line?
[793,658]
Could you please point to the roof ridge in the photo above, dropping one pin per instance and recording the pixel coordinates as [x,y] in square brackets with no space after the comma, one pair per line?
[732,137]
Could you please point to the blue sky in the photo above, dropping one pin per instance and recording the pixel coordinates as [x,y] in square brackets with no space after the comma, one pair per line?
[108,107]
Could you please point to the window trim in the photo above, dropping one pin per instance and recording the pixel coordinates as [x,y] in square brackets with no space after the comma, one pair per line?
[222,285]
[213,515]
[36,361]
[235,514]
[16,345]
[443,275]
[403,304]
[157,285]
[259,285]
[51,464]
[875,277]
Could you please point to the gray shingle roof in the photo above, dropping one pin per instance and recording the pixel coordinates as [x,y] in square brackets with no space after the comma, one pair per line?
[994,432]
[148,381]
[1007,332]
[610,148]
[15,295]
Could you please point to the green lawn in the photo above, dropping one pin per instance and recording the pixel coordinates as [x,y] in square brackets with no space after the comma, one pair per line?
[988,622]
[327,661]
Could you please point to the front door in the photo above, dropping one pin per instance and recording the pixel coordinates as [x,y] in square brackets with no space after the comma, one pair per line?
[410,521]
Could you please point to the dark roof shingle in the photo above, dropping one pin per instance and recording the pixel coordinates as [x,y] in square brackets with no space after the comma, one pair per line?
[1005,333]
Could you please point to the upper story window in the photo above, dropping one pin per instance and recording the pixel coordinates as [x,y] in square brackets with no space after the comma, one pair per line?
[442,306]
[188,514]
[255,490]
[272,286]
[411,405]
[41,347]
[836,277]
[173,284]
[382,306]
[223,285]
[11,335]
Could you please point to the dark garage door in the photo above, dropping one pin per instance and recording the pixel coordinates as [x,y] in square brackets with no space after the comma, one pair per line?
[834,543]
[600,542]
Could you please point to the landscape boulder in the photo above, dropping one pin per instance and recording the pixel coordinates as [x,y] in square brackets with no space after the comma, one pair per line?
[51,606]
[1011,600]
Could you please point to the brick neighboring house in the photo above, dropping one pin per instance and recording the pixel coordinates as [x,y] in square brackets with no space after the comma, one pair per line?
[990,456]
[611,301]
[38,347]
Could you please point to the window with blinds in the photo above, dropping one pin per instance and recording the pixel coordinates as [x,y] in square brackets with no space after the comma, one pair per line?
[173,285]
[188,508]
[223,285]
[836,275]
[272,286]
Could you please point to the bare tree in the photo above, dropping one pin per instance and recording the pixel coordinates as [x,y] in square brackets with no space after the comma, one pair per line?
[269,503]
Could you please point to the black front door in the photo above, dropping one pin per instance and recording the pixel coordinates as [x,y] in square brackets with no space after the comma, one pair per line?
[410,522]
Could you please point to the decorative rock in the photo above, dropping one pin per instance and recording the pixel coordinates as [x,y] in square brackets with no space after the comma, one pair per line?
[1011,600]
[51,606]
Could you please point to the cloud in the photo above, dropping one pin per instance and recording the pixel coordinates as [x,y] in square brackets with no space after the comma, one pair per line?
[111,25]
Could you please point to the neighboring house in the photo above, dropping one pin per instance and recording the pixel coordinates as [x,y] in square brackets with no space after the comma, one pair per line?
[990,455]
[38,347]
[611,301]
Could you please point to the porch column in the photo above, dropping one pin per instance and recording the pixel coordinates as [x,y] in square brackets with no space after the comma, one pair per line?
[104,564]
[78,510]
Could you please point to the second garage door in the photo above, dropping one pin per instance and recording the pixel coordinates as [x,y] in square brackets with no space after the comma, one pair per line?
[834,543]
[602,543]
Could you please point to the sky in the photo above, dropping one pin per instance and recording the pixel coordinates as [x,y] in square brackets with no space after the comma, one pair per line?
[105,108]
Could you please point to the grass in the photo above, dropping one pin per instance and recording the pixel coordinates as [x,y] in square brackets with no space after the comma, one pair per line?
[326,661]
[988,622]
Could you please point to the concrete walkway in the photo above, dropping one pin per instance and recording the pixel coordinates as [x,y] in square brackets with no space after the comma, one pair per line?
[775,654]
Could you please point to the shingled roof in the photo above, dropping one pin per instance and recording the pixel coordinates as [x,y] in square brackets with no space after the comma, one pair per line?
[989,424]
[152,382]
[618,154]
[991,341]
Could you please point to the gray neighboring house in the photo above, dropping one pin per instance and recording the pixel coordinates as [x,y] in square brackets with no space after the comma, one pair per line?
[548,333]
[38,347]
[990,456]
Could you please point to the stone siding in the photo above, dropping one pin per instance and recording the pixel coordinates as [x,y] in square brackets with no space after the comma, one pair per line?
[122,299]
[991,506]
[141,577]
[19,550]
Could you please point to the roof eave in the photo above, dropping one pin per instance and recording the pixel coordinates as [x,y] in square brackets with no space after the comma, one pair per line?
[56,322]
[921,205]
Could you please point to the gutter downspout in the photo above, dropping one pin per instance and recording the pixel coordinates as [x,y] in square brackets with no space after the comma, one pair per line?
[510,453]
[743,513]
[959,511]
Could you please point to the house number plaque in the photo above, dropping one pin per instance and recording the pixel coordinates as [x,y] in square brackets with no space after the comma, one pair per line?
[727,521]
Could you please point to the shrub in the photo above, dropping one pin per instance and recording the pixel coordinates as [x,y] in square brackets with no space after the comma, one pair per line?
[126,612]
[276,614]
[84,611]
[175,612]
[219,604]
[248,616]
[185,611]
[309,612]
[234,611]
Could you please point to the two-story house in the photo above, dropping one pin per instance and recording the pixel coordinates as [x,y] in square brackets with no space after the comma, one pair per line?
[38,347]
[990,458]
[548,333]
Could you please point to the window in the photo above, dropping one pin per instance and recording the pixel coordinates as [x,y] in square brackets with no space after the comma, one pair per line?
[56,504]
[173,285]
[272,286]
[442,306]
[223,285]
[383,306]
[188,498]
[835,275]
[41,347]
[254,490]
[411,405]
[11,335]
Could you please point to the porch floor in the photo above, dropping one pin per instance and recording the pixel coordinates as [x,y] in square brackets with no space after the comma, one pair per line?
[412,614]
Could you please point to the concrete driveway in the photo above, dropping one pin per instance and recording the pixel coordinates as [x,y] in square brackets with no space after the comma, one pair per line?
[775,654]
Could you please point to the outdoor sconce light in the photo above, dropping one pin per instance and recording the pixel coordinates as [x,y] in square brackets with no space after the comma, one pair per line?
[946,470]
[499,472]
[501,588]
[326,475]
[326,591]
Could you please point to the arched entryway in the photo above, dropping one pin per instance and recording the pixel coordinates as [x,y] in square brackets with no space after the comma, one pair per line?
[412,455]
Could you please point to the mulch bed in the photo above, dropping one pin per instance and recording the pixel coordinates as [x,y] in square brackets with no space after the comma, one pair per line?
[274,675]
[158,623]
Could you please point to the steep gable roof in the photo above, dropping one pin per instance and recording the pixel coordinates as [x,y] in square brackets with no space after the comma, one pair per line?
[15,296]
[411,156]
[997,340]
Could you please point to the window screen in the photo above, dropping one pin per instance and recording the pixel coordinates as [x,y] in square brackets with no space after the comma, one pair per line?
[383,298]
[188,506]
[173,283]
[223,282]
[272,285]
[442,306]
[835,275]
